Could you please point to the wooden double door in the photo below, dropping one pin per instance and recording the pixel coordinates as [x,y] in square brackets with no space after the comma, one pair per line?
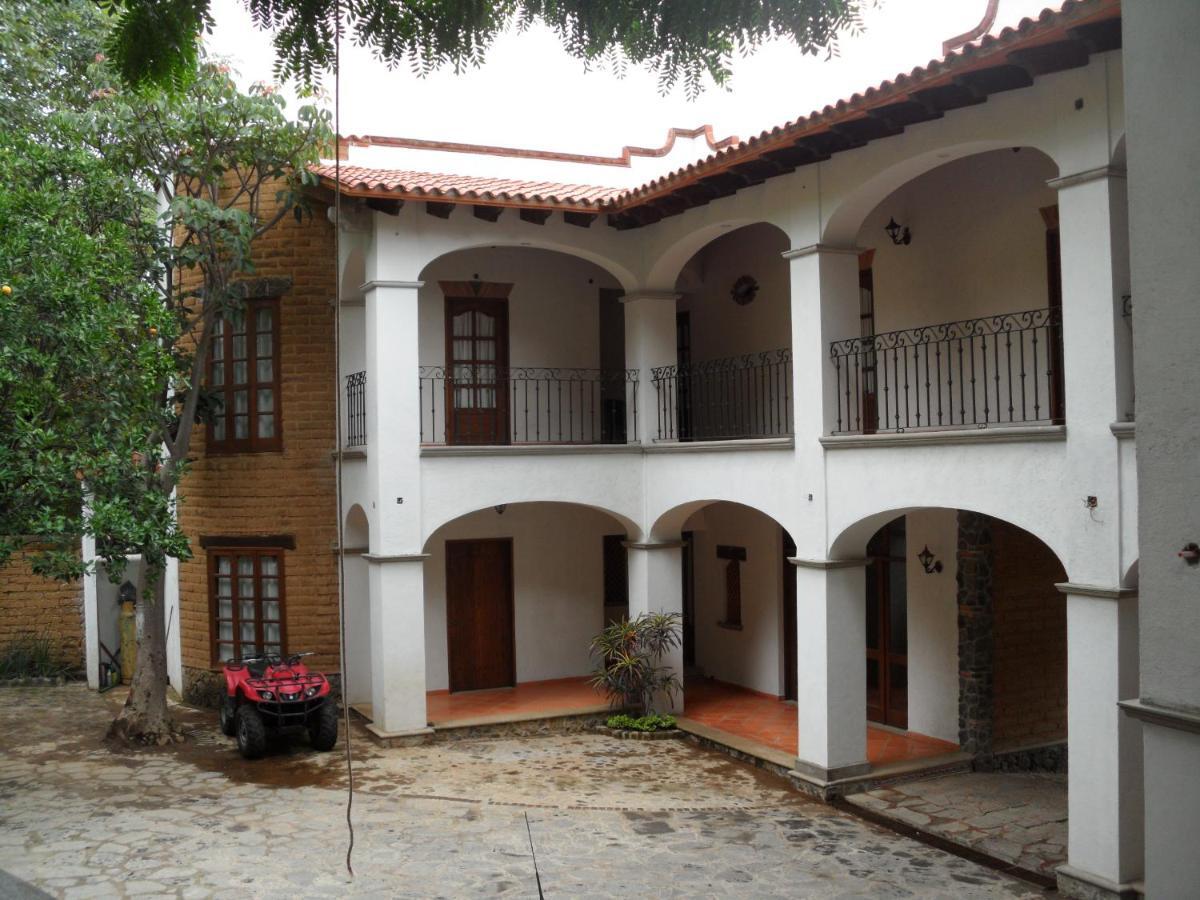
[480,620]
[887,626]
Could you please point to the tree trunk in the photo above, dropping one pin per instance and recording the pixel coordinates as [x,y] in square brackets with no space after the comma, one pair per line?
[145,718]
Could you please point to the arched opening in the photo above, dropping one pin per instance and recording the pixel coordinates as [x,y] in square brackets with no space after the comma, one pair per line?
[966,652]
[513,596]
[732,377]
[960,301]
[739,620]
[356,541]
[522,345]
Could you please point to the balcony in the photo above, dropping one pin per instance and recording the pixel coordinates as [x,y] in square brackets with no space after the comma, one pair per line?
[487,405]
[738,397]
[1002,370]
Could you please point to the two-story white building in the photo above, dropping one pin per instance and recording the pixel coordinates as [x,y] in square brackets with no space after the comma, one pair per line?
[854,396]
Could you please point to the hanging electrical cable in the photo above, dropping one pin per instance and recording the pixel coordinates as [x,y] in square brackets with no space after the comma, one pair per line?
[337,402]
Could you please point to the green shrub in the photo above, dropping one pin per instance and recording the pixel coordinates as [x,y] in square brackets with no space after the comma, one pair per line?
[31,656]
[623,722]
[629,653]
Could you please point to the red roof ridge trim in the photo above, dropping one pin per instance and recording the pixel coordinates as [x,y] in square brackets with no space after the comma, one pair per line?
[625,159]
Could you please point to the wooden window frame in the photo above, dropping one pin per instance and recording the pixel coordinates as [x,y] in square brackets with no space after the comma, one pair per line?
[214,618]
[253,443]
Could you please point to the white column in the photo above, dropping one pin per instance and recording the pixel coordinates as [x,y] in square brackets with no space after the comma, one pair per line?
[825,308]
[650,343]
[397,590]
[1091,234]
[91,614]
[1104,785]
[831,670]
[396,578]
[656,586]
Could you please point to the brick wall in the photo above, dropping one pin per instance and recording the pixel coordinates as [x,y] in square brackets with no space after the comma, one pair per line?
[32,605]
[288,492]
[1030,622]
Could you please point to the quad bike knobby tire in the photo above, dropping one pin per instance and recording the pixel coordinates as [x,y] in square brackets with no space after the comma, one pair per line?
[228,725]
[251,732]
[323,727]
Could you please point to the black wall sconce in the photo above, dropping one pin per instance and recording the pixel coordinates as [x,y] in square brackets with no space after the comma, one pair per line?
[500,509]
[928,563]
[898,234]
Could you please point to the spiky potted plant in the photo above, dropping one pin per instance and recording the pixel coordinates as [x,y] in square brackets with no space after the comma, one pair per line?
[631,673]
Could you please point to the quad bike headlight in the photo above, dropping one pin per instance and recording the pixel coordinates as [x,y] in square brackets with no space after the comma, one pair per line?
[312,691]
[266,695]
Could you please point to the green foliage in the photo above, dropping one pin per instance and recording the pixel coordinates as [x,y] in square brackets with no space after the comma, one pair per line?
[677,39]
[31,656]
[625,722]
[46,49]
[630,652]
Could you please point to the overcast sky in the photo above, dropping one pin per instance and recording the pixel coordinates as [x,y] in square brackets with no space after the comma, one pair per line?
[531,93]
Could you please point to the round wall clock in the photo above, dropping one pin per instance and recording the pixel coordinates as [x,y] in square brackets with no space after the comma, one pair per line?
[744,290]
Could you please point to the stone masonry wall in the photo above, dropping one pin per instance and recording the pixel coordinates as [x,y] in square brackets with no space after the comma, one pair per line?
[975,632]
[290,492]
[1030,625]
[32,605]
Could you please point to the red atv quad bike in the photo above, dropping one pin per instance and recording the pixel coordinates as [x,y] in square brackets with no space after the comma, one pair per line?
[276,694]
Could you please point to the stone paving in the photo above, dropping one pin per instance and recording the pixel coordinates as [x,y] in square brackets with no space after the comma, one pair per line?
[608,818]
[1018,817]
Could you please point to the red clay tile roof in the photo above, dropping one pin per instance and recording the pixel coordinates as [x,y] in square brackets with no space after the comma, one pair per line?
[360,181]
[1050,27]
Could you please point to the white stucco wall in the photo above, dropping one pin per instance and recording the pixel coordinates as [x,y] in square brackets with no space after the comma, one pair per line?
[1164,209]
[558,586]
[720,327]
[979,242]
[932,625]
[553,310]
[753,656]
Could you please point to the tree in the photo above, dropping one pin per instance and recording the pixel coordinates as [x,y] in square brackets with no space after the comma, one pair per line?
[630,653]
[226,167]
[154,40]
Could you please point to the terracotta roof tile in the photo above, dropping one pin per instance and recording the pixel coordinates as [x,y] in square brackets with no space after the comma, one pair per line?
[1048,26]
[434,186]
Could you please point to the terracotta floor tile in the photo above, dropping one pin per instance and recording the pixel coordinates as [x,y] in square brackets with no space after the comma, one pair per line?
[557,696]
[773,722]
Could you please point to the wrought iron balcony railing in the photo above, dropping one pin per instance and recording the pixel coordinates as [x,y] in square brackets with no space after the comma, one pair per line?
[483,404]
[726,399]
[998,370]
[356,409]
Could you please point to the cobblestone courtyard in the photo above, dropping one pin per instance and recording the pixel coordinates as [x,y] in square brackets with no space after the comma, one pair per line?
[608,818]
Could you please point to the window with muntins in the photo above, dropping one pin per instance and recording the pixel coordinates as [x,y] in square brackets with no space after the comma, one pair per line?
[246,599]
[243,374]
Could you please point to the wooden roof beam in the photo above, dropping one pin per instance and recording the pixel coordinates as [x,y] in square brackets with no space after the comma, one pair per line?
[440,210]
[386,205]
[579,219]
[536,216]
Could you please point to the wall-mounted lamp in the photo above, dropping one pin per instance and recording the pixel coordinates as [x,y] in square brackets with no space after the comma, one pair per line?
[898,234]
[500,509]
[928,563]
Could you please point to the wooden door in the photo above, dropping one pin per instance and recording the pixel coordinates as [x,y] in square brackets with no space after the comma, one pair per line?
[789,619]
[479,614]
[477,370]
[887,627]
[688,574]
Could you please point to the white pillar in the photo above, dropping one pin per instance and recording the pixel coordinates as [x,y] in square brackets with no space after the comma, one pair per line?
[825,308]
[1091,211]
[650,343]
[656,586]
[396,578]
[1104,786]
[91,614]
[397,589]
[831,668]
